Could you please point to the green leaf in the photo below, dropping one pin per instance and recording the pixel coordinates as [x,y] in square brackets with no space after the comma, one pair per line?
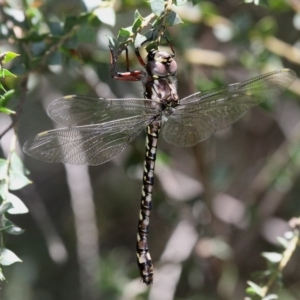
[152,45]
[150,35]
[55,59]
[139,40]
[18,206]
[4,207]
[3,168]
[267,26]
[181,2]
[11,228]
[124,34]
[86,34]
[137,24]
[270,297]
[72,42]
[157,6]
[283,242]
[2,88]
[7,257]
[173,19]
[272,257]
[6,97]
[10,56]
[55,28]
[137,15]
[106,15]
[2,277]
[70,22]
[254,289]
[7,111]
[94,21]
[38,48]
[2,58]
[5,73]
[114,43]
[17,179]
[17,15]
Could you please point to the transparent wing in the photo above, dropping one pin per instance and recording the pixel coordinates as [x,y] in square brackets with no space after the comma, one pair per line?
[86,145]
[187,131]
[77,110]
[216,109]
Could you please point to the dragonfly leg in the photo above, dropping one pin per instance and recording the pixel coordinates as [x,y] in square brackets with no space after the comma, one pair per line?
[125,76]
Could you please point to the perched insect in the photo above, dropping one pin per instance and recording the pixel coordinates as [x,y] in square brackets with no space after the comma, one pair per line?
[98,129]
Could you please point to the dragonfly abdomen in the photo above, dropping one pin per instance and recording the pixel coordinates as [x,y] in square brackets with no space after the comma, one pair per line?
[143,256]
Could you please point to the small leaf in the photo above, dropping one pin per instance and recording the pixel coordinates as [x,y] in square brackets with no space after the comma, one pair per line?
[272,257]
[17,14]
[136,25]
[38,48]
[55,28]
[5,73]
[157,6]
[17,179]
[11,228]
[3,168]
[7,257]
[14,230]
[4,207]
[55,59]
[2,277]
[152,45]
[2,87]
[283,242]
[72,42]
[7,111]
[10,56]
[124,34]
[139,40]
[70,22]
[270,297]
[106,15]
[181,2]
[254,289]
[2,58]
[137,15]
[18,206]
[173,19]
[6,97]
[86,34]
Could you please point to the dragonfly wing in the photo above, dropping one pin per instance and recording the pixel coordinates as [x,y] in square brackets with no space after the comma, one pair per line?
[187,131]
[86,145]
[223,106]
[199,115]
[78,110]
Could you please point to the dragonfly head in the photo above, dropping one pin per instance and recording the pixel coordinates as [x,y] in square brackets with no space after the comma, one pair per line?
[160,64]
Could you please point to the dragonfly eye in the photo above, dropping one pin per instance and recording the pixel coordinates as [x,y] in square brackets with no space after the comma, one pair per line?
[161,64]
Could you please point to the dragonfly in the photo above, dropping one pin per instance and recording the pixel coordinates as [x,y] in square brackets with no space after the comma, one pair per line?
[98,129]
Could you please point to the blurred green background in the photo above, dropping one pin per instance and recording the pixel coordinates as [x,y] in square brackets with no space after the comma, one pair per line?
[217,205]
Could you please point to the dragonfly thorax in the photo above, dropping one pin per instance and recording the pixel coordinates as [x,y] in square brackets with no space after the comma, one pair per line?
[160,64]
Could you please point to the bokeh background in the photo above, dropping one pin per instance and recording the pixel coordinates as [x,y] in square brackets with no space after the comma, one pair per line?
[217,206]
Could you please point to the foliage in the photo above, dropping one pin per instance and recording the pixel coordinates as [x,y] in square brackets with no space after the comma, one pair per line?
[276,263]
[11,176]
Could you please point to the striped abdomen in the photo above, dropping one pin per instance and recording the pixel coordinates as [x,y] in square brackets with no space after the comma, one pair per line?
[143,255]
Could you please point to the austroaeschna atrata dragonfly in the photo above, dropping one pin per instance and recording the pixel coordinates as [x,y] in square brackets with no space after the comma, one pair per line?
[98,129]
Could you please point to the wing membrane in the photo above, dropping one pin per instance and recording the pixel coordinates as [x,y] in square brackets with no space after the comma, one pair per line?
[90,145]
[216,109]
[77,110]
[187,131]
